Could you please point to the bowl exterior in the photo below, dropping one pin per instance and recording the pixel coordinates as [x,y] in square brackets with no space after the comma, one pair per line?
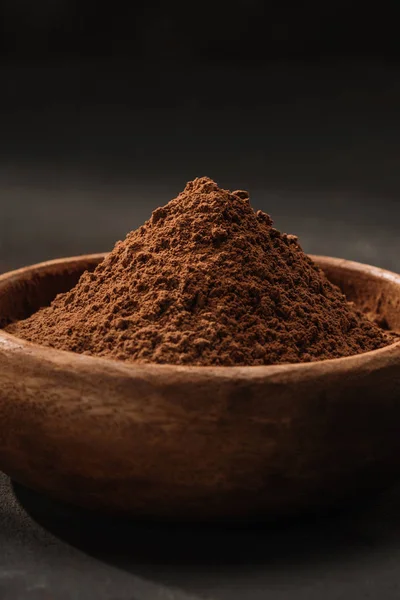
[198,443]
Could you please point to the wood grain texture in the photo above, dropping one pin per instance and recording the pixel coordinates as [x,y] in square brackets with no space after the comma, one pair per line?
[197,442]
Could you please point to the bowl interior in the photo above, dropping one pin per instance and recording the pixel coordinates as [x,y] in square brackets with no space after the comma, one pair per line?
[30,289]
[373,291]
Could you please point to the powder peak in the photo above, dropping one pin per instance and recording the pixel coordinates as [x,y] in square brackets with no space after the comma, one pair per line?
[206,281]
[202,185]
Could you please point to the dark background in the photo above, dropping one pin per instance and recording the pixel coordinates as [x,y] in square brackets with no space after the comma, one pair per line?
[105,113]
[209,30]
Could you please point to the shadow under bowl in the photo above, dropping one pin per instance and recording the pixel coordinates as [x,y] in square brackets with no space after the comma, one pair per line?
[199,443]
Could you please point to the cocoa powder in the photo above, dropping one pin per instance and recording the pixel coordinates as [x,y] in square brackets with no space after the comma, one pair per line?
[206,281]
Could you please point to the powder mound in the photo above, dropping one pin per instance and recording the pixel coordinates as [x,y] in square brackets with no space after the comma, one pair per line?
[206,281]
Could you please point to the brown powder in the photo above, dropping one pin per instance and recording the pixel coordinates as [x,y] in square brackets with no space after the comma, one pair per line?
[206,281]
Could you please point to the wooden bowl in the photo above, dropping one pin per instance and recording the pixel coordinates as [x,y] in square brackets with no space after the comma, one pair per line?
[198,442]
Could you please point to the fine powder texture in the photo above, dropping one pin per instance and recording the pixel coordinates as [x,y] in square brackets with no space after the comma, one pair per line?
[206,281]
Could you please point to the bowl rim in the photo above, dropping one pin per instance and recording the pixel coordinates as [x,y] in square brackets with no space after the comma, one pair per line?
[83,362]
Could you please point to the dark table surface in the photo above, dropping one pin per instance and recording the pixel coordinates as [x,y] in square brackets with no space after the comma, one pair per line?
[86,154]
